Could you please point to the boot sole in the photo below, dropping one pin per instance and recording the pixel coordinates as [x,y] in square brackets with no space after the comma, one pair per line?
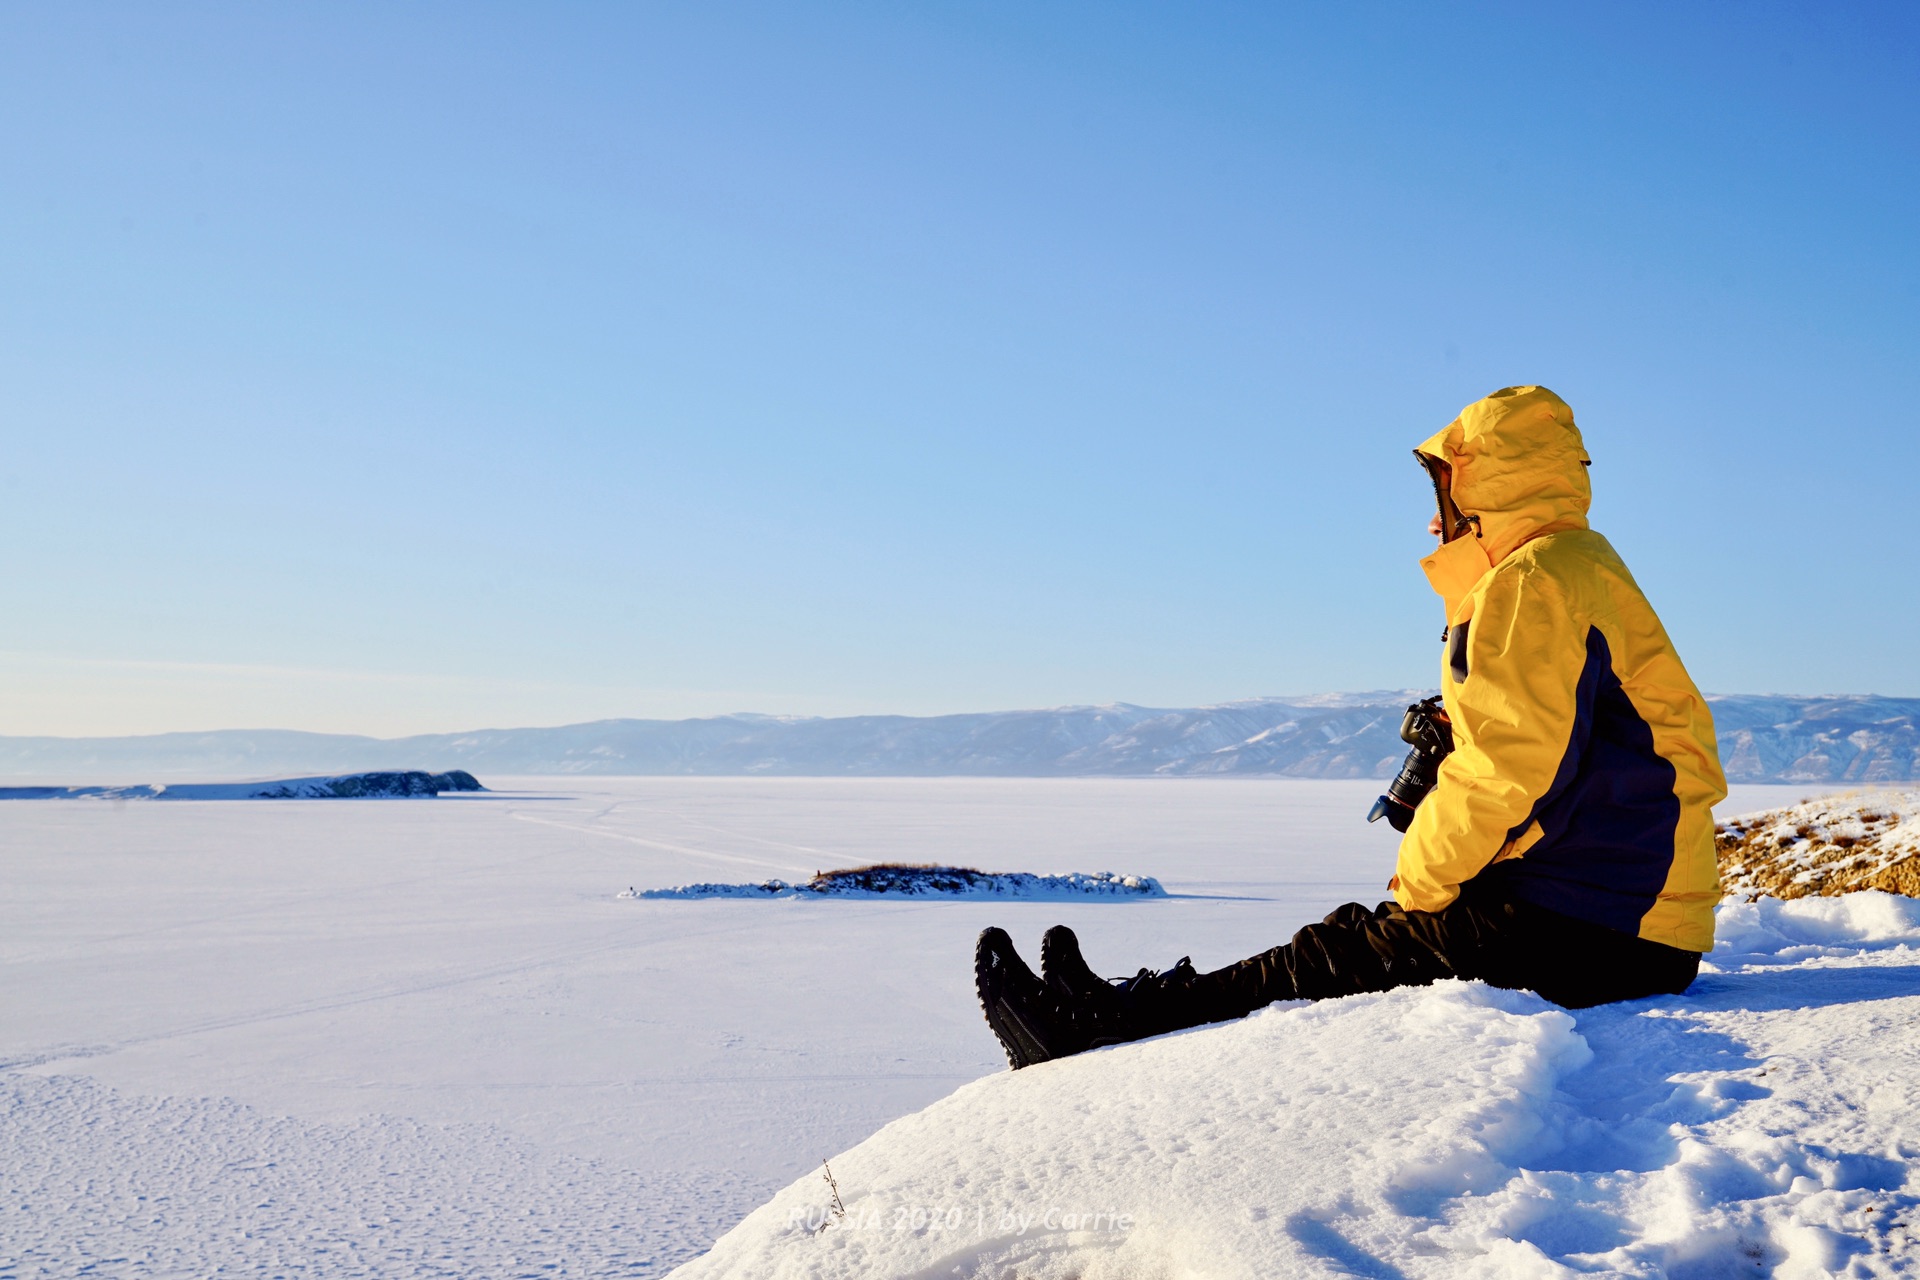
[993,961]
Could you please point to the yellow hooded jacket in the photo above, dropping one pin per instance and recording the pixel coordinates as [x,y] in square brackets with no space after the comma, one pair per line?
[1584,768]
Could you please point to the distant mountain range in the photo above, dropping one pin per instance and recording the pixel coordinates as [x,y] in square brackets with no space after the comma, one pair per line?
[1356,735]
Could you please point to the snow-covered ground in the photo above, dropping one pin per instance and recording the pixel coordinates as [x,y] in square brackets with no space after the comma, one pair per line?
[1765,1123]
[407,1040]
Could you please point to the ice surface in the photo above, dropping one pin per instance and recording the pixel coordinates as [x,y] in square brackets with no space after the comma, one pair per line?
[103,1183]
[430,1040]
[355,989]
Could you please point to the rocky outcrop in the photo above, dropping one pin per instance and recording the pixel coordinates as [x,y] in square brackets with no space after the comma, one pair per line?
[915,880]
[368,786]
[398,784]
[1838,844]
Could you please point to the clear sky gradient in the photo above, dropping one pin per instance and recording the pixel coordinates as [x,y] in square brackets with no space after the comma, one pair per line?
[395,368]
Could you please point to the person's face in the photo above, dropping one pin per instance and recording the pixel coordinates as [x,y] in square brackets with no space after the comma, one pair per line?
[1433,525]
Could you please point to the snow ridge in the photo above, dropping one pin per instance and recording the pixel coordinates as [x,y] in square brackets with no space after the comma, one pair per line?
[1760,1124]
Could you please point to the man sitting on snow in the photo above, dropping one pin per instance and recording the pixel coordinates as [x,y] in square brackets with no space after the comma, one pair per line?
[1567,845]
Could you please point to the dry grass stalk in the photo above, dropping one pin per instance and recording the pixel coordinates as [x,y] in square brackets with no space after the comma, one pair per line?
[837,1209]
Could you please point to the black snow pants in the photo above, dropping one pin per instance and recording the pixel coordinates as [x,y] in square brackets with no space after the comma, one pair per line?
[1486,933]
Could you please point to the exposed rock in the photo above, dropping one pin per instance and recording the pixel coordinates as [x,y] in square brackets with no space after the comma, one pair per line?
[368,786]
[910,880]
[397,784]
[1833,845]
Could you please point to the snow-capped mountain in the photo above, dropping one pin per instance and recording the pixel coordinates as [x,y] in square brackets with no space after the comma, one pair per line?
[1849,739]
[1763,739]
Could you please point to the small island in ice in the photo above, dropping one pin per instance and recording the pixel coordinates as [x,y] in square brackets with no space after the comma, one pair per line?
[904,880]
[385,785]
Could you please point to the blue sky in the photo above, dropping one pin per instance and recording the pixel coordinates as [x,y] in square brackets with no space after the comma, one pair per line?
[420,367]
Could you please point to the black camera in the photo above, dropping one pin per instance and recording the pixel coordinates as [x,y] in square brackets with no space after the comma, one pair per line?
[1430,733]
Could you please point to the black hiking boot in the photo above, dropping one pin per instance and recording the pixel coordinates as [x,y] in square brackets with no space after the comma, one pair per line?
[1062,966]
[1038,1021]
[1032,1023]
[1114,1010]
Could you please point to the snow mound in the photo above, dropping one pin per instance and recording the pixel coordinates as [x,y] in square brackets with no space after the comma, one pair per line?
[1794,930]
[385,785]
[1764,1123]
[1833,845]
[899,880]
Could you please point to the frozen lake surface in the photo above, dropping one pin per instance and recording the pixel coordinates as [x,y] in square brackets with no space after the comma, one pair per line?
[338,1038]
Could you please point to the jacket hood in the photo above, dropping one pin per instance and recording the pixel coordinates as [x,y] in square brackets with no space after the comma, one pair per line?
[1518,470]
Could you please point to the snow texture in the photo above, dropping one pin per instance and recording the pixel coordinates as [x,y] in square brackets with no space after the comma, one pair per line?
[397,785]
[926,882]
[1764,1124]
[99,1183]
